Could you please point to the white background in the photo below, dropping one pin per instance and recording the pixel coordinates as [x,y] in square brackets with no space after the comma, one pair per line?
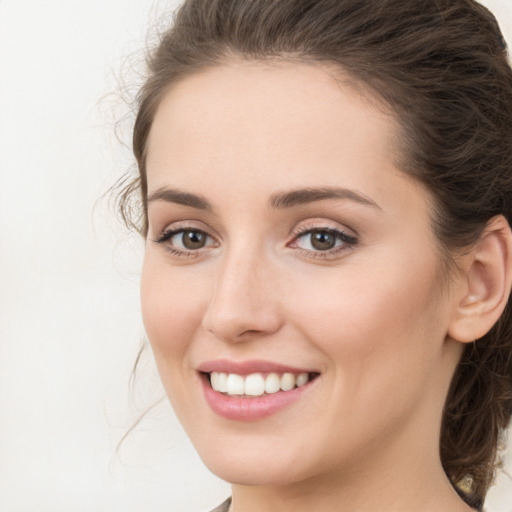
[70,321]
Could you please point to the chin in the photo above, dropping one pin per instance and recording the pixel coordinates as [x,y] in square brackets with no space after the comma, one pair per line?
[251,473]
[256,465]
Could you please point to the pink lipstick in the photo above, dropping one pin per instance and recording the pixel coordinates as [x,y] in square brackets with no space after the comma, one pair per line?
[252,390]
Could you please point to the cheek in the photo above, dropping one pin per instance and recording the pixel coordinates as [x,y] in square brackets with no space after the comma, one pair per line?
[378,321]
[382,333]
[172,309]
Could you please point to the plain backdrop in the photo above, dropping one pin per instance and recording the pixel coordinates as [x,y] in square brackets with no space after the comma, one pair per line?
[70,319]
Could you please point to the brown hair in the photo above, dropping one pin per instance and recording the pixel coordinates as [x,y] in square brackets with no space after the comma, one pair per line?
[441,65]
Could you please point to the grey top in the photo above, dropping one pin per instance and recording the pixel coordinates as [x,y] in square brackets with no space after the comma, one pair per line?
[224,507]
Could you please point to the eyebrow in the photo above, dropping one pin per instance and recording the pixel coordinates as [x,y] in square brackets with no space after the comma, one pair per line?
[278,201]
[177,196]
[310,195]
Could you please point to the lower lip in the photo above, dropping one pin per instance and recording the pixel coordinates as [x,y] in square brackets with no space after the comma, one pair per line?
[249,409]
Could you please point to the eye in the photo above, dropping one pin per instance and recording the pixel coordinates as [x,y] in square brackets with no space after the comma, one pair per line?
[189,240]
[185,240]
[323,240]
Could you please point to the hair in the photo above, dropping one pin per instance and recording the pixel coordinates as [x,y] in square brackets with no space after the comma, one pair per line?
[441,65]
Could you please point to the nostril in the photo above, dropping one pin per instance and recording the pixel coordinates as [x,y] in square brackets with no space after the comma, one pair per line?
[236,328]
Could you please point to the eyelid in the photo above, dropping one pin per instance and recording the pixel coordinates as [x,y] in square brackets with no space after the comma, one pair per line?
[348,240]
[326,225]
[183,225]
[169,233]
[173,229]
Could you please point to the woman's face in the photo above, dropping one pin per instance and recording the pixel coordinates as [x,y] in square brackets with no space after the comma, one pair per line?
[284,240]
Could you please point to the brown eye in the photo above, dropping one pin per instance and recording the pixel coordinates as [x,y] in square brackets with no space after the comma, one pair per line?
[193,239]
[322,240]
[183,241]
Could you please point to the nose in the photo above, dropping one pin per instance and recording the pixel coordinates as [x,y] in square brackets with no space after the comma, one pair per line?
[243,304]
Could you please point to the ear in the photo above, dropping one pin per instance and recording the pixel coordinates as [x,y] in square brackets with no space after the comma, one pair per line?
[486,283]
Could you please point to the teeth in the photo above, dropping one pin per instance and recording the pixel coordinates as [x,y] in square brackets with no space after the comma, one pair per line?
[214,380]
[302,379]
[287,381]
[272,384]
[235,384]
[219,381]
[256,384]
[223,382]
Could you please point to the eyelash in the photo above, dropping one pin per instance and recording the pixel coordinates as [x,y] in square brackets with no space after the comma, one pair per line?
[168,234]
[347,241]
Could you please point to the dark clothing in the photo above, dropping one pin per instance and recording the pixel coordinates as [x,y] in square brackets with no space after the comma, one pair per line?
[224,507]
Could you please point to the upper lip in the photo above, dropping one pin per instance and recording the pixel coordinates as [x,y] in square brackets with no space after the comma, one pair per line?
[248,367]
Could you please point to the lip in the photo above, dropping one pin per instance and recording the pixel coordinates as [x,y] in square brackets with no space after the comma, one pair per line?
[253,408]
[248,367]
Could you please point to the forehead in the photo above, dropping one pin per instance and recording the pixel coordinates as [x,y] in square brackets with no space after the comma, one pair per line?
[267,111]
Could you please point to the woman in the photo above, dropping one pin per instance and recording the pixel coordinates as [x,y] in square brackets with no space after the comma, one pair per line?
[326,194]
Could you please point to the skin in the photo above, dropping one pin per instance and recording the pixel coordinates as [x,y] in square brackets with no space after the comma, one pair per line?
[373,318]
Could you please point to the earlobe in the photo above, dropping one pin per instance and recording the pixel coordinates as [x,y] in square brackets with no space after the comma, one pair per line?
[488,280]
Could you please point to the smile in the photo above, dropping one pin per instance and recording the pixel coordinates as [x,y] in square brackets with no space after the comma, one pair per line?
[256,384]
[252,390]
